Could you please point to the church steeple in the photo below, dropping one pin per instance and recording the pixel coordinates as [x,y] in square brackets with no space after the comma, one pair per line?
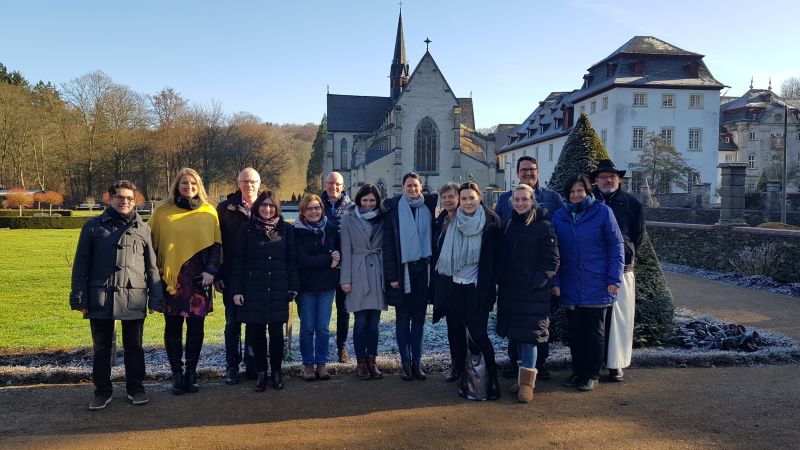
[399,72]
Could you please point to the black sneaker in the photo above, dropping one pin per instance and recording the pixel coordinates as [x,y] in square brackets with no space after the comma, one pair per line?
[616,375]
[588,385]
[138,398]
[99,402]
[231,376]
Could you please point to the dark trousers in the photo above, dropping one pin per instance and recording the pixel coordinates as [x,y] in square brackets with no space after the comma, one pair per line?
[173,341]
[586,328]
[256,333]
[463,313]
[102,335]
[342,318]
[233,338]
[365,332]
[410,315]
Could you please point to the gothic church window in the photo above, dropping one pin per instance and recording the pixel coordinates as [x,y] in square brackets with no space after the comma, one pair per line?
[343,160]
[426,151]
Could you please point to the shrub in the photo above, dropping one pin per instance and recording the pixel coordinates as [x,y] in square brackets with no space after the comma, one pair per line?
[43,223]
[18,198]
[652,324]
[760,260]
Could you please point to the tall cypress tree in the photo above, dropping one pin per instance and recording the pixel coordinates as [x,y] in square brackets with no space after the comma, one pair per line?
[314,171]
[581,153]
[654,310]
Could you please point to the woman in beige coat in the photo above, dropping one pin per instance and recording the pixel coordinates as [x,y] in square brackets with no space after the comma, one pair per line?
[362,275]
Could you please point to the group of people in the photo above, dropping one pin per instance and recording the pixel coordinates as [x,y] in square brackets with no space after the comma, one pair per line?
[532,253]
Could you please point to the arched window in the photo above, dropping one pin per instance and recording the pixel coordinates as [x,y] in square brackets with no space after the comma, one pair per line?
[426,152]
[343,146]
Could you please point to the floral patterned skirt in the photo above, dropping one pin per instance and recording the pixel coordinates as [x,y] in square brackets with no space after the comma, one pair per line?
[190,299]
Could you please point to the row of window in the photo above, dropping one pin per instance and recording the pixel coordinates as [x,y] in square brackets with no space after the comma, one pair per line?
[640,101]
[639,138]
[550,152]
[751,136]
[751,160]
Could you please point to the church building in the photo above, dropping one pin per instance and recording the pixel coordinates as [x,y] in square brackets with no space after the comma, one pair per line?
[421,126]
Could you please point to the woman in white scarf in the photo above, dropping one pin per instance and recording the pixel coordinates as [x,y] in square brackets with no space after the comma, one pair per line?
[467,259]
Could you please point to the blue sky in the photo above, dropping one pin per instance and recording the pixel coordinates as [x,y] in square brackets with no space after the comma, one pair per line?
[275,59]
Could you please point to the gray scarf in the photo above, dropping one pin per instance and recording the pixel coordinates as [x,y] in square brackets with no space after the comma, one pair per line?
[415,232]
[462,243]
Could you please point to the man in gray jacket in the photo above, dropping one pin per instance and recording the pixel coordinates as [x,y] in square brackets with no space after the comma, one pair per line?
[115,277]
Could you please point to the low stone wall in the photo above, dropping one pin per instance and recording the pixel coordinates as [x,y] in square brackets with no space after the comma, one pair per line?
[711,247]
[711,216]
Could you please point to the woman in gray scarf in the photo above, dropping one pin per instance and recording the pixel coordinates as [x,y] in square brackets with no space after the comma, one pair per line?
[407,243]
[466,258]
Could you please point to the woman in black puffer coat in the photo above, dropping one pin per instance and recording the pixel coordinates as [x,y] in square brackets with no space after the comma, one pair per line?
[531,259]
[264,280]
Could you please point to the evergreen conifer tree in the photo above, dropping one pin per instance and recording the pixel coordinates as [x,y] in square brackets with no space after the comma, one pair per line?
[654,310]
[314,171]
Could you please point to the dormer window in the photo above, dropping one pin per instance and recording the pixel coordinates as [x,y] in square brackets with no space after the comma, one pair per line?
[611,68]
[693,69]
[542,127]
[587,80]
[638,67]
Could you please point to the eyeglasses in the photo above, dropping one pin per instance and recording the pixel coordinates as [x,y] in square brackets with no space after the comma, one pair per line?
[529,170]
[331,183]
[122,198]
[613,176]
[250,181]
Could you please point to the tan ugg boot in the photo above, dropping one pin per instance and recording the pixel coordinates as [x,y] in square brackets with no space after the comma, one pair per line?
[527,381]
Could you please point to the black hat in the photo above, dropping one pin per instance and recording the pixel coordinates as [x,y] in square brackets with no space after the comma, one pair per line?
[606,165]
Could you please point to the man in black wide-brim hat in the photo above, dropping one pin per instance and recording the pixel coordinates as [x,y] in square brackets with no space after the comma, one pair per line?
[630,218]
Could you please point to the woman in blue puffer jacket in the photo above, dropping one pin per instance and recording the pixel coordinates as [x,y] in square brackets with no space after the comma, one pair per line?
[592,261]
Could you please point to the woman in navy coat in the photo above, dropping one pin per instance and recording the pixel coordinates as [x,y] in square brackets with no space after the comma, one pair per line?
[592,260]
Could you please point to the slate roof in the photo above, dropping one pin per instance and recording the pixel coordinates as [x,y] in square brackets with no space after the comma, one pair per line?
[467,112]
[753,101]
[729,146]
[648,45]
[356,113]
[529,132]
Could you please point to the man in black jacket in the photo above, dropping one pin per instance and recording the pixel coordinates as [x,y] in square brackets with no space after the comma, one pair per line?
[335,202]
[630,217]
[115,277]
[233,212]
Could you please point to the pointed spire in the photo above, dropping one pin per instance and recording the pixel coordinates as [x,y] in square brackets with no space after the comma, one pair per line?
[751,82]
[769,88]
[398,76]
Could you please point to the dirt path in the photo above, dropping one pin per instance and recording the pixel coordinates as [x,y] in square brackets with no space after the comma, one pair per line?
[653,408]
[774,312]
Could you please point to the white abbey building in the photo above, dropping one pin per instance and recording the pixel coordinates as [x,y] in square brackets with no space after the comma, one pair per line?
[645,86]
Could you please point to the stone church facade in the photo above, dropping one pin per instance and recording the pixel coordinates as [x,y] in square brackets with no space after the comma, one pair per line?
[422,126]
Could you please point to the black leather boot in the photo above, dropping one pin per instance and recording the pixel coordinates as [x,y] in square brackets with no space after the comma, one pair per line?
[405,372]
[190,381]
[194,346]
[261,384]
[493,389]
[177,382]
[417,371]
[277,380]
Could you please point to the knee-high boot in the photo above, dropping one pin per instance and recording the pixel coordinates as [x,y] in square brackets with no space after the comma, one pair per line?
[174,348]
[194,345]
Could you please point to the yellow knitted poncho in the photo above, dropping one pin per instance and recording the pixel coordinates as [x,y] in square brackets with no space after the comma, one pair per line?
[179,234]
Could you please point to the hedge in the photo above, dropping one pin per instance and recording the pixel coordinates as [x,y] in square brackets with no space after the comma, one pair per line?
[31,212]
[41,223]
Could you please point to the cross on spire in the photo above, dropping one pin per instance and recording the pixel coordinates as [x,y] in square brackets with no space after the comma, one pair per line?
[427,42]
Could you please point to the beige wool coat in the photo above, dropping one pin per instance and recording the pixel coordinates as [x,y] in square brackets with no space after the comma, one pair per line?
[362,264]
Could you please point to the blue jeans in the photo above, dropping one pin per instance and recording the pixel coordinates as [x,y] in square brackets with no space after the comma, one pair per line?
[315,317]
[365,332]
[527,355]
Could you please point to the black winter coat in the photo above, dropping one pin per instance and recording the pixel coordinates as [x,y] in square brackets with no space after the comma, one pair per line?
[630,217]
[314,259]
[530,261]
[392,260]
[231,215]
[264,270]
[115,275]
[485,290]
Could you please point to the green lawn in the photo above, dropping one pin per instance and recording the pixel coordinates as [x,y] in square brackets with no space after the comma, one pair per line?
[35,268]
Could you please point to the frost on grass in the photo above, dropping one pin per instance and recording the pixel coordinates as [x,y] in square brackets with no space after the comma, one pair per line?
[75,366]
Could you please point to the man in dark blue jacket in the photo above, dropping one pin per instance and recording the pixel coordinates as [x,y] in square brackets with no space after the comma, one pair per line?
[335,201]
[549,201]
[233,212]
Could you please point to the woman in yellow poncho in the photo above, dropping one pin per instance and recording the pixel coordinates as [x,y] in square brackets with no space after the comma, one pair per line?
[187,240]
